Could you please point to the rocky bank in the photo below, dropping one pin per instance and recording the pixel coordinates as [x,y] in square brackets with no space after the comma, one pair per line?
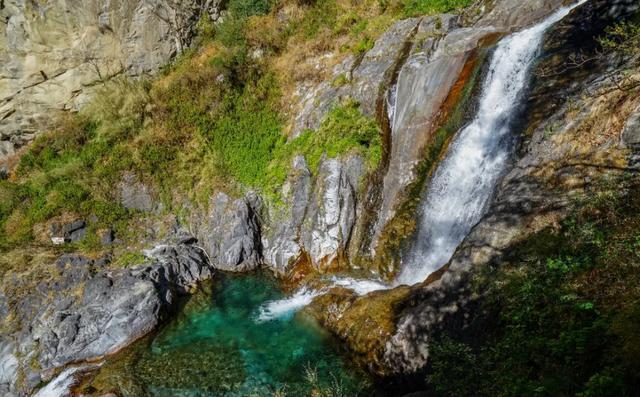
[83,310]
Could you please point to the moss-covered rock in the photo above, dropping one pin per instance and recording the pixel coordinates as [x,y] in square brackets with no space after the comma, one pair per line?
[364,323]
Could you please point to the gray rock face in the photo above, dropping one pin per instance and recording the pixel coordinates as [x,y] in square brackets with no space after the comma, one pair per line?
[509,15]
[331,213]
[410,72]
[364,80]
[631,133]
[70,232]
[87,311]
[280,236]
[230,232]
[53,52]
[135,195]
[319,213]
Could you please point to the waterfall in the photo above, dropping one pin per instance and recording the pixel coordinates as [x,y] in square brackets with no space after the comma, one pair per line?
[462,186]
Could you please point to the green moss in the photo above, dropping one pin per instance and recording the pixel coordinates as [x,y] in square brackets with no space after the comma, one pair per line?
[366,324]
[129,259]
[428,7]
[340,81]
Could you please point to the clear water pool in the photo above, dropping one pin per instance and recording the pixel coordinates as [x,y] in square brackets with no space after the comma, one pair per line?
[216,347]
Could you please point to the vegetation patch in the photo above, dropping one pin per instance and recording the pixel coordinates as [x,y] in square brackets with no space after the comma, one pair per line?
[560,316]
[422,7]
[213,120]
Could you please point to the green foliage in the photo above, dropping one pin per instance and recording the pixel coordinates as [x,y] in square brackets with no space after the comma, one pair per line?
[560,317]
[248,132]
[344,130]
[129,259]
[212,120]
[340,80]
[73,169]
[426,7]
[324,13]
[623,37]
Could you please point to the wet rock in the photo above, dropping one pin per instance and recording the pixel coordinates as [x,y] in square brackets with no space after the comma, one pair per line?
[509,15]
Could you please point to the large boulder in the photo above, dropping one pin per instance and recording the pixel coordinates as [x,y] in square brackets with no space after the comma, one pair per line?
[230,232]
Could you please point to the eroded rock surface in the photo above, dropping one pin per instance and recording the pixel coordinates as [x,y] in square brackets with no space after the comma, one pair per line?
[230,232]
[567,146]
[570,146]
[318,215]
[52,53]
[83,311]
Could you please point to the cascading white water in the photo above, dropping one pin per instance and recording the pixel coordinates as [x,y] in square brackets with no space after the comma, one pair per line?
[463,184]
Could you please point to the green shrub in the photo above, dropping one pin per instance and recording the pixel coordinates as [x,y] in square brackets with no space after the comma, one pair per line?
[427,7]
[344,130]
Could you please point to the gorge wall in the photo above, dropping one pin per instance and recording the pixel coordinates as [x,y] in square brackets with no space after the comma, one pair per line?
[418,82]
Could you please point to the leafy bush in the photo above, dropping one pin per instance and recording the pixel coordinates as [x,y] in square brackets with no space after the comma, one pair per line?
[344,130]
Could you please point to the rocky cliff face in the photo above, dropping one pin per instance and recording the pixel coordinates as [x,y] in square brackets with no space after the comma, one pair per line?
[342,216]
[409,82]
[568,145]
[54,52]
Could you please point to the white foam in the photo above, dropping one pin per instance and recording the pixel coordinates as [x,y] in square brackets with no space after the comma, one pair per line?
[285,308]
[61,385]
[461,189]
[360,286]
